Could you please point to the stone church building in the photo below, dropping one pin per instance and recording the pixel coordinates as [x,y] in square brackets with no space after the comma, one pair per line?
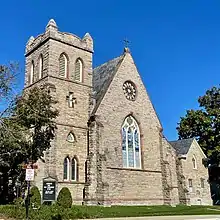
[109,147]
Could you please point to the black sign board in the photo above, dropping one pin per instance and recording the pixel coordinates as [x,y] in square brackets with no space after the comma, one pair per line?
[49,190]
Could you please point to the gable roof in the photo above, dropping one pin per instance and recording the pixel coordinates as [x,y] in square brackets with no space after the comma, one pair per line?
[182,146]
[102,77]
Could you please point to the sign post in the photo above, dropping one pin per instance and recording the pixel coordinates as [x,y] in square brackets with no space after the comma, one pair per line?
[29,176]
[27,200]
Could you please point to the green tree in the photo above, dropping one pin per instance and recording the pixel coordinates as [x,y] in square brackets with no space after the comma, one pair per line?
[25,133]
[204,125]
[7,78]
[35,196]
[64,198]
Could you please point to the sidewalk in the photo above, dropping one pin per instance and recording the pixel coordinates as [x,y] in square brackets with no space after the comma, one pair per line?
[182,217]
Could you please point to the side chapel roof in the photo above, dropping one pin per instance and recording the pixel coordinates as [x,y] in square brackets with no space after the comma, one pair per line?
[182,146]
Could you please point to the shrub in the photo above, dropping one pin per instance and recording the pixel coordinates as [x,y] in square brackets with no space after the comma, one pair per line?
[45,212]
[19,201]
[12,211]
[64,198]
[36,197]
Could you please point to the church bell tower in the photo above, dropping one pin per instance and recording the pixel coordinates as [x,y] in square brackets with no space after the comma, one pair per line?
[63,61]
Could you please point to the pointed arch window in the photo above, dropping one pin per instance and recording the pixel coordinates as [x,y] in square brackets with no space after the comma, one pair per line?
[63,65]
[78,70]
[194,162]
[131,152]
[32,72]
[70,169]
[40,66]
[74,170]
[66,169]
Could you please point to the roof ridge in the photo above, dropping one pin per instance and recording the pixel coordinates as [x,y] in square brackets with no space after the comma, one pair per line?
[182,139]
[107,62]
[182,146]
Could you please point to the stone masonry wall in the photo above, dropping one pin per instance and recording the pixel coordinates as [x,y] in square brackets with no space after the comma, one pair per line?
[122,185]
[51,45]
[170,173]
[197,194]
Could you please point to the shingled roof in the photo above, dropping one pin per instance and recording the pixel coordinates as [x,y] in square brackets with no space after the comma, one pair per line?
[182,146]
[102,77]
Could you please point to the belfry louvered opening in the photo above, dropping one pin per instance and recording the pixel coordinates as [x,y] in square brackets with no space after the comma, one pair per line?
[40,66]
[78,70]
[63,65]
[32,72]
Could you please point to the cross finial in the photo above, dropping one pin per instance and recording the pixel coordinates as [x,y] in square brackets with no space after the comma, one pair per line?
[126,42]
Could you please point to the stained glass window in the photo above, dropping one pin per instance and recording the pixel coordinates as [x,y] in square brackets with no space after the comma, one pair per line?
[74,169]
[124,151]
[131,143]
[70,169]
[66,164]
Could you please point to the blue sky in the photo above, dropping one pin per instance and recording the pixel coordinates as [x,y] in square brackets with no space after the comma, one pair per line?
[175,44]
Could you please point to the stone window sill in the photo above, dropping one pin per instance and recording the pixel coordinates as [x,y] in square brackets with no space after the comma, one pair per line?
[134,169]
[71,182]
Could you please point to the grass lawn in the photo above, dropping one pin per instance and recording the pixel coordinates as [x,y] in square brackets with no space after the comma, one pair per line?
[55,212]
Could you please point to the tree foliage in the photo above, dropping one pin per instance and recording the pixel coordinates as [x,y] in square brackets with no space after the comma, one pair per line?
[35,112]
[25,133]
[35,196]
[64,198]
[7,77]
[204,124]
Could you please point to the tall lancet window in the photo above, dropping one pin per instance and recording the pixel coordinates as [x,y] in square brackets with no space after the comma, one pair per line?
[194,162]
[74,169]
[63,65]
[32,72]
[131,152]
[78,70]
[66,169]
[40,66]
